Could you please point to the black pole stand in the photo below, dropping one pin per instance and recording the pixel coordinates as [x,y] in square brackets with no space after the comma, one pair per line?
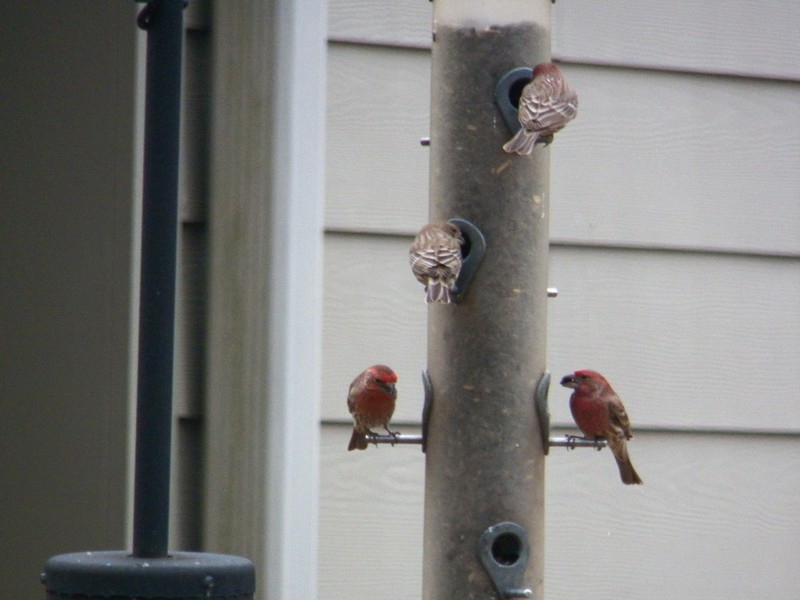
[151,571]
[163,23]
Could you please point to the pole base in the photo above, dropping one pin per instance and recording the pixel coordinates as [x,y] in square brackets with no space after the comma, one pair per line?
[118,575]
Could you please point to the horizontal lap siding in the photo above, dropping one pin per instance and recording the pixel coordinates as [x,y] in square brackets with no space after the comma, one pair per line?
[675,230]
[374,311]
[702,526]
[378,109]
[735,37]
[676,160]
[689,340]
[653,159]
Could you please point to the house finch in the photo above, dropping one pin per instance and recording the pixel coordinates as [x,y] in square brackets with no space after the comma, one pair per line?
[371,402]
[435,258]
[598,412]
[546,105]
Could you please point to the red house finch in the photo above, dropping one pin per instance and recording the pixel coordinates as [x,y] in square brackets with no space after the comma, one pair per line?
[371,402]
[546,105]
[435,258]
[598,412]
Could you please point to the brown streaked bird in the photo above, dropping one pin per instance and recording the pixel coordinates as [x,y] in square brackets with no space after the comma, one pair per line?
[546,105]
[435,259]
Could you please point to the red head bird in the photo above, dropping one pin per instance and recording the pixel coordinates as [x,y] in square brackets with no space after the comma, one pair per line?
[371,402]
[598,412]
[546,105]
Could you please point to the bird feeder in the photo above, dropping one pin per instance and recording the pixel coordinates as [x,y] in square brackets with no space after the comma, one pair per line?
[484,484]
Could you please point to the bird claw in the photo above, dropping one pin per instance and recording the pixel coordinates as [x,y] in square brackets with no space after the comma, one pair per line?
[394,435]
[598,443]
[571,441]
[374,438]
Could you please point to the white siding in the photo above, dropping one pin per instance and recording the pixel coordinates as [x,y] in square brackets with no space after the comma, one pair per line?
[716,519]
[690,340]
[675,234]
[370,519]
[653,159]
[734,37]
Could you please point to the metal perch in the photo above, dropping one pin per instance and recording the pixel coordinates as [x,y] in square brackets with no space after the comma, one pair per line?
[573,441]
[398,438]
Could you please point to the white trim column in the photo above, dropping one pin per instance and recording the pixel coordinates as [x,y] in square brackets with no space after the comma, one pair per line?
[266,227]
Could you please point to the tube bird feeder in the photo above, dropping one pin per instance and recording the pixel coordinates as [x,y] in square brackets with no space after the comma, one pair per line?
[484,484]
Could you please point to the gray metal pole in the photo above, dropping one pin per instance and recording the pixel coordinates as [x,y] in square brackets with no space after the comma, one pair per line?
[484,460]
[163,21]
[151,571]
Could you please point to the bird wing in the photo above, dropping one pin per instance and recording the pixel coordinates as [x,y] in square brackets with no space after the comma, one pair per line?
[439,261]
[351,401]
[549,106]
[619,417]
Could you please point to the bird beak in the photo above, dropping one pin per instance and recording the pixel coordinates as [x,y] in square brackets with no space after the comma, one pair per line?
[389,387]
[569,381]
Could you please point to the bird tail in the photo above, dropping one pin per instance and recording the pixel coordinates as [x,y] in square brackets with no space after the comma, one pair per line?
[626,471]
[358,441]
[437,292]
[522,142]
